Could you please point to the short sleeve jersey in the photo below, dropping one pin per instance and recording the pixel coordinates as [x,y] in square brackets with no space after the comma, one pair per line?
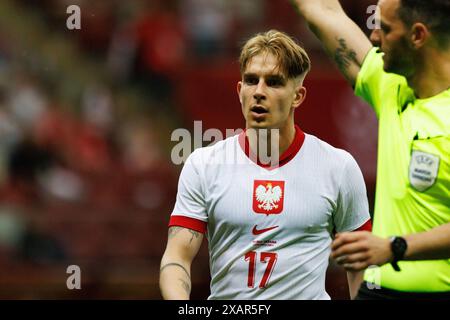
[269,231]
[413,180]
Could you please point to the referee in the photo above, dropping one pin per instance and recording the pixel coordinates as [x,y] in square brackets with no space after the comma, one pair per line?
[405,77]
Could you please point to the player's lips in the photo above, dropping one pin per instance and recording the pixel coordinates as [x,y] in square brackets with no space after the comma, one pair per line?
[258,111]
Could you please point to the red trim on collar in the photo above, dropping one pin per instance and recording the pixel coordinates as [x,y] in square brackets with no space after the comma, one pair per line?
[287,155]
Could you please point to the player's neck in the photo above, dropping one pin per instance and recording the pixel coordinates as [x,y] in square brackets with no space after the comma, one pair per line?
[432,75]
[287,136]
[265,141]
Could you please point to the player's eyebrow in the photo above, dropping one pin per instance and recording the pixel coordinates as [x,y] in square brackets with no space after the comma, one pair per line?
[276,77]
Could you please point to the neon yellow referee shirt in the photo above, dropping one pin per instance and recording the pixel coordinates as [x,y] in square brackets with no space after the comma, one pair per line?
[413,174]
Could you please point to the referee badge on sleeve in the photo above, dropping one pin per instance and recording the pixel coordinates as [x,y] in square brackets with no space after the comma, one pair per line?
[423,170]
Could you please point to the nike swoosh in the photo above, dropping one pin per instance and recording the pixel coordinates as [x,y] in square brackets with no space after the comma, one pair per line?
[256,231]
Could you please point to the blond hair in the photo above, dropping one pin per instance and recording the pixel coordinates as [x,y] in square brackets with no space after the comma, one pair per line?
[292,58]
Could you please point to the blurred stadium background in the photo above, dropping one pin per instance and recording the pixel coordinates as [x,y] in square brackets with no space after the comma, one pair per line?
[85,122]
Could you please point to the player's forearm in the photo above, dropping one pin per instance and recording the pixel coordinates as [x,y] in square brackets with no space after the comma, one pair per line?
[341,37]
[314,10]
[323,17]
[175,281]
[354,282]
[175,271]
[430,245]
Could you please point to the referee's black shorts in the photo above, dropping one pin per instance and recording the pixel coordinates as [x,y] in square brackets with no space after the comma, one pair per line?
[369,291]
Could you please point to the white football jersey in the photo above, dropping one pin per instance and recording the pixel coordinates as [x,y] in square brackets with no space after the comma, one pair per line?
[269,231]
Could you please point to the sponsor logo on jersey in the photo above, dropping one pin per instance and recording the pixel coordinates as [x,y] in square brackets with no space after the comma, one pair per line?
[264,243]
[268,196]
[257,231]
[423,170]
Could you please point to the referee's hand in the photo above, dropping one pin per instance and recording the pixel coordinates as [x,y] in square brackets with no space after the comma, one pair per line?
[356,251]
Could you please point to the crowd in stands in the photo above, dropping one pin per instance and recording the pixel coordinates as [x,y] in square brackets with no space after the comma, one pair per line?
[85,122]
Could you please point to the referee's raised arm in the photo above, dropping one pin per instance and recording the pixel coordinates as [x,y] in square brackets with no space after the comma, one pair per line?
[343,40]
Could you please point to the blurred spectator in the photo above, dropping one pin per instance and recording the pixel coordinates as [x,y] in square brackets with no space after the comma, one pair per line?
[78,144]
[26,102]
[160,48]
[208,24]
[22,239]
[151,177]
[98,19]
[12,228]
[62,183]
[10,134]
[97,107]
[139,146]
[39,247]
[26,161]
[247,19]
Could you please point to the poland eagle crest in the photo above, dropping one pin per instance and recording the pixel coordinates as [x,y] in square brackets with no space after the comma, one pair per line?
[268,196]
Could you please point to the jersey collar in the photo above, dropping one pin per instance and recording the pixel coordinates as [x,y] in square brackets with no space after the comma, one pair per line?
[287,155]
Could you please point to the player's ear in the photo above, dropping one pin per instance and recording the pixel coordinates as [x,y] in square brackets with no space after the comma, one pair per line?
[419,35]
[300,95]
[239,87]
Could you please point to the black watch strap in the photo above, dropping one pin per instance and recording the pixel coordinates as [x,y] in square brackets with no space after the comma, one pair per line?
[398,247]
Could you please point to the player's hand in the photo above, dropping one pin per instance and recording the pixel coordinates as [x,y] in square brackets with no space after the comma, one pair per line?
[356,251]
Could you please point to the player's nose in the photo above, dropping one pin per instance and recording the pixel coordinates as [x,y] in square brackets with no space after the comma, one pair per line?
[375,38]
[260,91]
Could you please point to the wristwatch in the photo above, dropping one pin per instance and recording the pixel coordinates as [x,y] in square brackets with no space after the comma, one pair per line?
[398,247]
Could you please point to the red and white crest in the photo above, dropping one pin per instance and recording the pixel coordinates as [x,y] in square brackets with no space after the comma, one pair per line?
[268,196]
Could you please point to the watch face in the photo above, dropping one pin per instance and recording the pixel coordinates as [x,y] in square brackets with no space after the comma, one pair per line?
[399,247]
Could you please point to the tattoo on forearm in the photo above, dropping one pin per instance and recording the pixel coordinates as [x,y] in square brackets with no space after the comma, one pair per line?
[344,56]
[186,285]
[174,264]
